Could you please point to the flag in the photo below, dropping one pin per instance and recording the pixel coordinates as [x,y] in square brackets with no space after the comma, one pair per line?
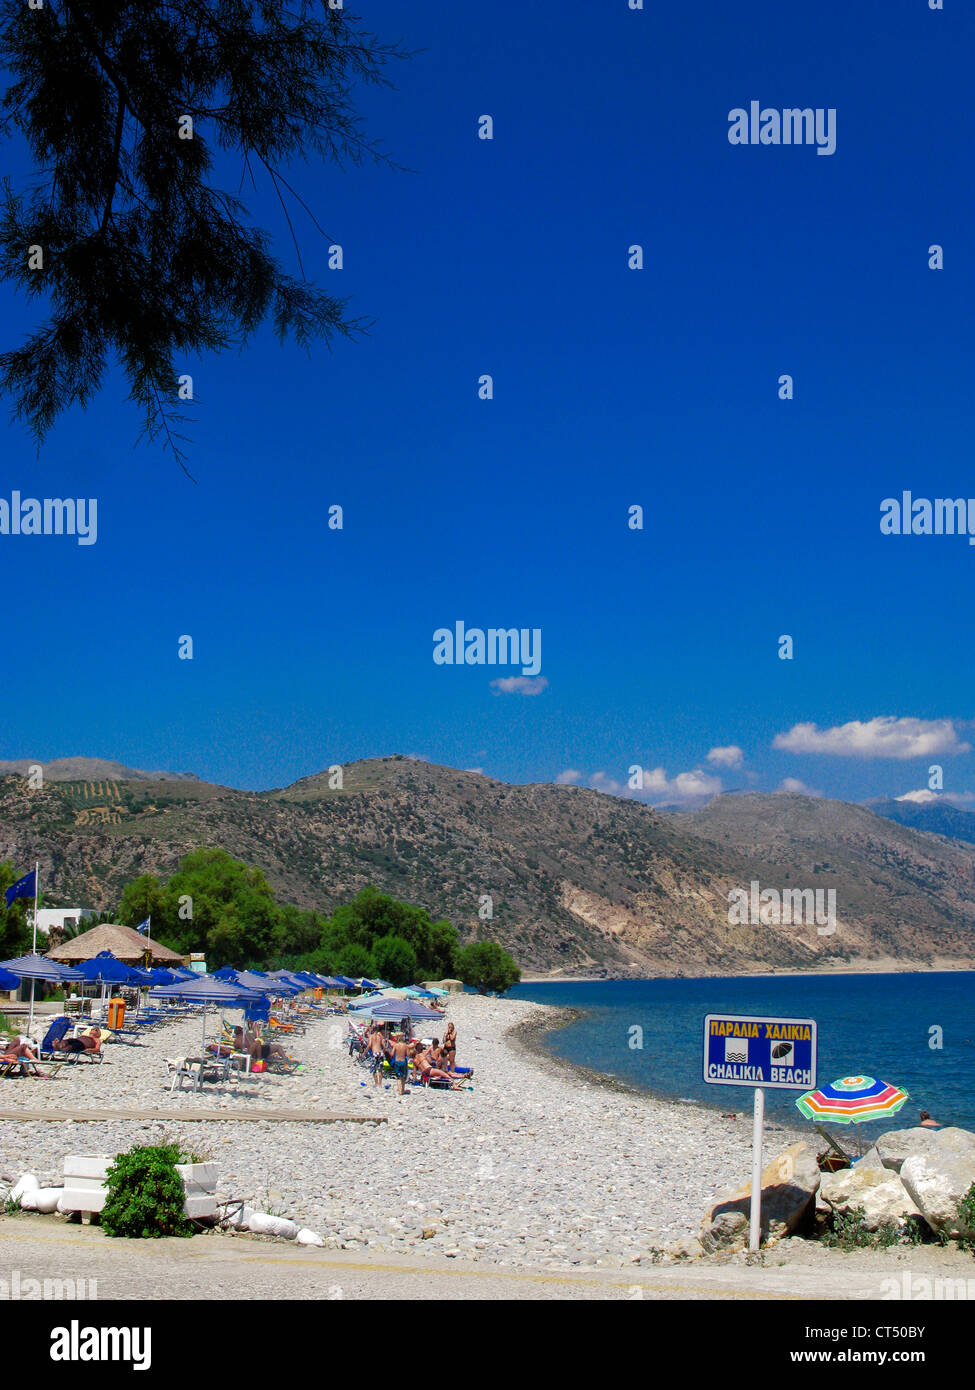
[25,887]
[143,927]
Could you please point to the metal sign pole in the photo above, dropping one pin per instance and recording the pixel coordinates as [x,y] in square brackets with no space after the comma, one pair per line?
[755,1224]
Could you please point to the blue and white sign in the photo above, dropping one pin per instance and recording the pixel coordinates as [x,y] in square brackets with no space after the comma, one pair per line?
[775,1053]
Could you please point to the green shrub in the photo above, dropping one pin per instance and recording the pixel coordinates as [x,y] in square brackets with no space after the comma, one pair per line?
[966,1215]
[145,1193]
[849,1233]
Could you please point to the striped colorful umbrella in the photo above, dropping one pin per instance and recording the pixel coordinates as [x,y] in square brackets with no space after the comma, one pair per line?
[852,1100]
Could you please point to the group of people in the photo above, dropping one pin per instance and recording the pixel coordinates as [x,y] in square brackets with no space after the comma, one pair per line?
[433,1061]
[21,1050]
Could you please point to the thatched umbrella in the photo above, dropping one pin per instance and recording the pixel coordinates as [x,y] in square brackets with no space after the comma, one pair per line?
[124,943]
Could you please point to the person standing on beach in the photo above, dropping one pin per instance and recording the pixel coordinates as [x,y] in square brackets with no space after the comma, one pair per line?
[450,1046]
[399,1060]
[377,1051]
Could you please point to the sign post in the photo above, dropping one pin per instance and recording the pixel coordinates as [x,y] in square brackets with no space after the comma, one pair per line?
[769,1053]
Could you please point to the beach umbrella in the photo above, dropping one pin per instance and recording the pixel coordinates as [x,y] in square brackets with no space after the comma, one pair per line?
[34,967]
[396,1009]
[852,1100]
[104,969]
[207,990]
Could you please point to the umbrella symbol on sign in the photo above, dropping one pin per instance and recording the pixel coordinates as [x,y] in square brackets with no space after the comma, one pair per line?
[783,1053]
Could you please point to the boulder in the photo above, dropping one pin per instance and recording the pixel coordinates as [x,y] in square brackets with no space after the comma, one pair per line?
[789,1185]
[938,1186]
[870,1187]
[899,1144]
[728,1231]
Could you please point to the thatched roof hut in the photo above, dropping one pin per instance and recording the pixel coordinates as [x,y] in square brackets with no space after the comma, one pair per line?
[123,942]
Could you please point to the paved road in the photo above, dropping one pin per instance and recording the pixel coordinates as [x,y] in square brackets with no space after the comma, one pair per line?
[210,1266]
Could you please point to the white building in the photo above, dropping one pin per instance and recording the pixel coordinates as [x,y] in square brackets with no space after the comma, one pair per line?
[61,917]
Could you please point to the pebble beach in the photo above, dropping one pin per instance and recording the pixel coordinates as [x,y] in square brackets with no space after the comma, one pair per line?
[539,1164]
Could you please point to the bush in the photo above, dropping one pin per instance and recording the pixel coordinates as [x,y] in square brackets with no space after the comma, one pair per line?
[145,1193]
[966,1214]
[849,1233]
[486,966]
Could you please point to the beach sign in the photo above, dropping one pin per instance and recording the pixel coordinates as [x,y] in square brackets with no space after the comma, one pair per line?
[775,1053]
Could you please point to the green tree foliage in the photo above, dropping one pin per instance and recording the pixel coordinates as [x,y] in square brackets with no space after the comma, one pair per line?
[15,934]
[373,915]
[213,903]
[395,960]
[216,904]
[145,257]
[487,967]
[355,961]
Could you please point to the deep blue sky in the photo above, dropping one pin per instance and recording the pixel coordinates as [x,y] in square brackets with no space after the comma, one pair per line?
[612,387]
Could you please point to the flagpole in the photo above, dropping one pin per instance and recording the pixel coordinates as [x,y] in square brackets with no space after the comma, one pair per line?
[37,874]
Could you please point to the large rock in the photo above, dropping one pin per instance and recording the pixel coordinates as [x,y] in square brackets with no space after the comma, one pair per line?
[789,1185]
[938,1182]
[871,1188]
[900,1144]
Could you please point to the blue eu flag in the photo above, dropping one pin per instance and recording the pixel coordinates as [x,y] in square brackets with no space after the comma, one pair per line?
[24,887]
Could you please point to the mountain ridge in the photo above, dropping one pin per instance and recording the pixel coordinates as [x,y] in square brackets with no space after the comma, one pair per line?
[578,881]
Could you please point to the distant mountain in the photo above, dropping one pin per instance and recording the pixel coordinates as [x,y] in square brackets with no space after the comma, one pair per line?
[574,880]
[937,817]
[90,770]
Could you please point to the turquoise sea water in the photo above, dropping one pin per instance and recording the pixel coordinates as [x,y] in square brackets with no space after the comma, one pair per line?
[874,1024]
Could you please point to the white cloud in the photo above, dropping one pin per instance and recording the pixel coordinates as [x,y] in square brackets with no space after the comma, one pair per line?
[519,685]
[686,787]
[729,756]
[884,737]
[795,787]
[923,797]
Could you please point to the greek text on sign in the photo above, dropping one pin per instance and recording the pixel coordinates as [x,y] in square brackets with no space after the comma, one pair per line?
[779,1053]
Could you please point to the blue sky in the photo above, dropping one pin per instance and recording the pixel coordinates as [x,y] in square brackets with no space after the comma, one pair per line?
[612,387]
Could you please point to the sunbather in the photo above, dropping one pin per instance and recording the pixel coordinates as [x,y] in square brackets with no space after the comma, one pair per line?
[90,1042]
[428,1072]
[262,1051]
[19,1050]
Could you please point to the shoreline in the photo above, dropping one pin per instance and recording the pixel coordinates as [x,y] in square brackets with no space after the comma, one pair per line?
[863,967]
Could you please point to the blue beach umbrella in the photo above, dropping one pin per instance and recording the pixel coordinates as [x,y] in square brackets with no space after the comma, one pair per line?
[34,967]
[207,990]
[106,969]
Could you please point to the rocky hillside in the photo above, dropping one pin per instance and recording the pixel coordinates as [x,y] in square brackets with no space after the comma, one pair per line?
[578,881]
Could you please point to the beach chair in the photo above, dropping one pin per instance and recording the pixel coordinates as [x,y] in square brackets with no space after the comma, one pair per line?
[836,1161]
[54,1034]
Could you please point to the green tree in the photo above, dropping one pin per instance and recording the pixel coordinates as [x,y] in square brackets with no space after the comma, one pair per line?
[355,961]
[216,904]
[395,960]
[15,934]
[143,897]
[144,255]
[373,915]
[487,967]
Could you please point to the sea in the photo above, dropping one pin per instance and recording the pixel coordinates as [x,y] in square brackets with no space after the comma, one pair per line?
[916,1031]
